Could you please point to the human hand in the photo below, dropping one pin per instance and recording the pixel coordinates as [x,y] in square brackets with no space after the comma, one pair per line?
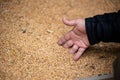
[76,39]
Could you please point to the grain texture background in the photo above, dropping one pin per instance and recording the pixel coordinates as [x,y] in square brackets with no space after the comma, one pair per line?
[29,30]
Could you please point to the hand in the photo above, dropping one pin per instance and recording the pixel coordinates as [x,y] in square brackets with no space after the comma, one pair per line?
[76,39]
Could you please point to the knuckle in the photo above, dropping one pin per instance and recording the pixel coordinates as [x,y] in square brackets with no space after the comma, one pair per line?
[75,47]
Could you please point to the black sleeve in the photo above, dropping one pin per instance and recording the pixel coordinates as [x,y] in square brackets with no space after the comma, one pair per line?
[104,28]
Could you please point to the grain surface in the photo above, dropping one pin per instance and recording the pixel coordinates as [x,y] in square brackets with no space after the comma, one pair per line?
[29,30]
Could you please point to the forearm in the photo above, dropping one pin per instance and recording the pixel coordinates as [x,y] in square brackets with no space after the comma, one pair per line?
[104,28]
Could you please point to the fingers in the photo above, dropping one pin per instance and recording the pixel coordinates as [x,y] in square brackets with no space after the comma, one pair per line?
[81,44]
[79,53]
[63,39]
[68,44]
[69,23]
[73,49]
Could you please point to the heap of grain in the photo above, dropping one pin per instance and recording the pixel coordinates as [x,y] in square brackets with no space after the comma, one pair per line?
[29,30]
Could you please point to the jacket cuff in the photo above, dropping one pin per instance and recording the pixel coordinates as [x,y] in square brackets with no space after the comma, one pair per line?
[90,30]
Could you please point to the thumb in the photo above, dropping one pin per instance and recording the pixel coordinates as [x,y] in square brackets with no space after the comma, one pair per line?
[69,23]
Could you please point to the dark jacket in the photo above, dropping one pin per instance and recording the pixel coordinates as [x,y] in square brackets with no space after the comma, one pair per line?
[104,28]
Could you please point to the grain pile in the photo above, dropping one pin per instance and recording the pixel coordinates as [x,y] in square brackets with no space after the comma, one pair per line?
[29,30]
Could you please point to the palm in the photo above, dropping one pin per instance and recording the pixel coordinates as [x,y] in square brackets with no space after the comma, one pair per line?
[76,39]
